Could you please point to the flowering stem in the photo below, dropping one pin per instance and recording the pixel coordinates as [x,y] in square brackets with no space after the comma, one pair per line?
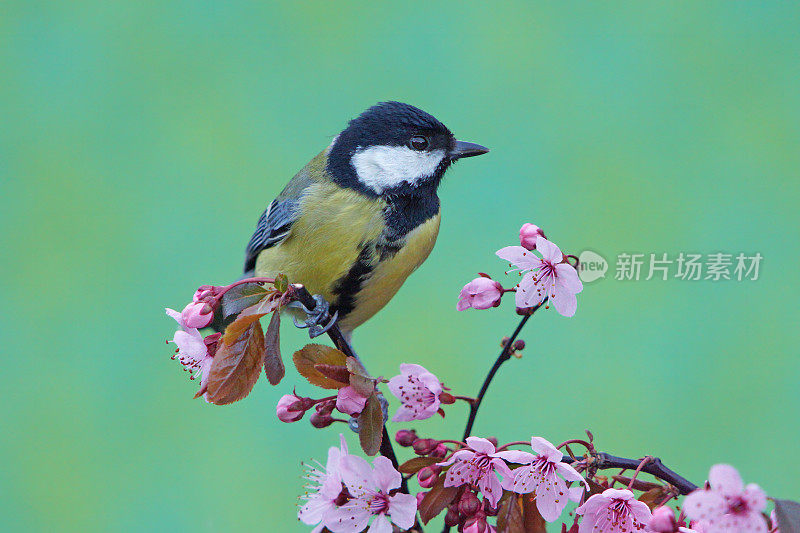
[221,293]
[583,443]
[301,294]
[515,443]
[504,356]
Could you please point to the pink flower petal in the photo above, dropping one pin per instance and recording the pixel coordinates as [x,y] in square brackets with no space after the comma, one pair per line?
[349,401]
[381,524]
[431,382]
[520,257]
[515,456]
[490,487]
[725,479]
[550,252]
[568,278]
[460,455]
[462,472]
[384,474]
[524,481]
[704,504]
[544,447]
[350,518]
[480,445]
[640,511]
[569,473]
[551,498]
[564,301]
[403,509]
[618,494]
[755,497]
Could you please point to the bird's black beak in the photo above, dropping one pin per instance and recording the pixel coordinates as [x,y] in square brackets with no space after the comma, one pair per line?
[465,149]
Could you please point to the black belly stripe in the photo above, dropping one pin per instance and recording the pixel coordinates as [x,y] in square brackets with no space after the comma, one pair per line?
[350,284]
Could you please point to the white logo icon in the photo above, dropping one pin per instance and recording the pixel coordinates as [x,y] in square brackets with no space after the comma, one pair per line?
[592,266]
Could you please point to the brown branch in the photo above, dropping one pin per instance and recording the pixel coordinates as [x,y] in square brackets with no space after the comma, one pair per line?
[654,467]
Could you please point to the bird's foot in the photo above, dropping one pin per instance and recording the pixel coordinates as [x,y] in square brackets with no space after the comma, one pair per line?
[319,320]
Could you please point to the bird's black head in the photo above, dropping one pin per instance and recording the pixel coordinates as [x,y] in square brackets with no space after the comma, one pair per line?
[395,149]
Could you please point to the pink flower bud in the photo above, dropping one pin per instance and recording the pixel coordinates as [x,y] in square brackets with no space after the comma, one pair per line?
[290,408]
[480,293]
[439,451]
[325,408]
[663,520]
[202,293]
[529,234]
[469,504]
[477,524]
[425,446]
[427,477]
[320,420]
[349,401]
[452,518]
[405,437]
[197,315]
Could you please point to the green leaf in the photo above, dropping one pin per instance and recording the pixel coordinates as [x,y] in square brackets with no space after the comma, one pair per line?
[281,283]
[273,362]
[237,363]
[306,358]
[436,500]
[241,297]
[370,426]
[788,516]
[412,466]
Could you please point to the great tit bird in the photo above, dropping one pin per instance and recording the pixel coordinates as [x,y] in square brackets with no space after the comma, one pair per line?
[362,215]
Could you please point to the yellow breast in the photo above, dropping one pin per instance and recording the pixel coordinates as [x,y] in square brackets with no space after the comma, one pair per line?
[389,275]
[340,231]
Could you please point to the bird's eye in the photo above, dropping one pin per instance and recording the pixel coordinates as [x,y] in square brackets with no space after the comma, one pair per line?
[418,143]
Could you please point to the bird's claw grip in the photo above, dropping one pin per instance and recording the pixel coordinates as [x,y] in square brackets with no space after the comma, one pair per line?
[319,320]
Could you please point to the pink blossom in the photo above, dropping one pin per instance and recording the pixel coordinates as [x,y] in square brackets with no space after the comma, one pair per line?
[544,474]
[480,293]
[548,277]
[326,487]
[529,234]
[290,408]
[419,391]
[350,401]
[193,350]
[478,465]
[370,499]
[728,506]
[613,511]
[197,315]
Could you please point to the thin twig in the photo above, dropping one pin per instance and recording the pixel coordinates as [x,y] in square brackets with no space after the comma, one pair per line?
[504,356]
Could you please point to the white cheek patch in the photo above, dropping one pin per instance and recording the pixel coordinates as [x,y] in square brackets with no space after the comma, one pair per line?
[383,167]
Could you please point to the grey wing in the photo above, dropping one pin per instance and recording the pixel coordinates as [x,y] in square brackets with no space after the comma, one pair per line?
[272,228]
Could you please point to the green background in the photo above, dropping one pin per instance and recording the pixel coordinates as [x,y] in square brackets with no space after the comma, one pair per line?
[139,142]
